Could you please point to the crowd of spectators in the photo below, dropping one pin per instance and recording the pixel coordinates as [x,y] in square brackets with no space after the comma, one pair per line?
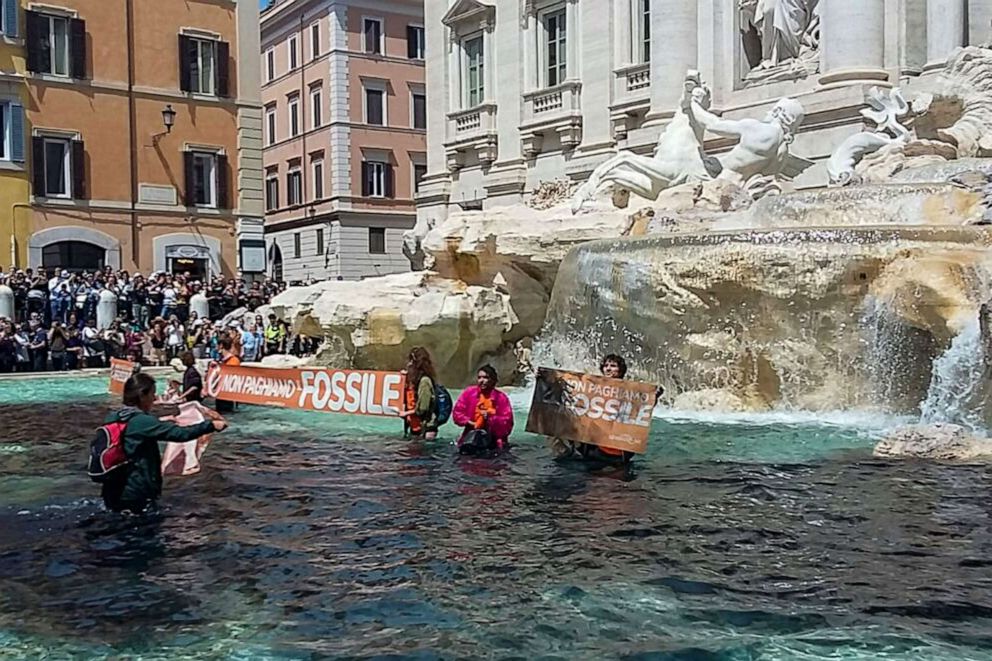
[54,325]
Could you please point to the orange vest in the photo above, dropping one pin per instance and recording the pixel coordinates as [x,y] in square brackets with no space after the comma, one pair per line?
[485,406]
[416,426]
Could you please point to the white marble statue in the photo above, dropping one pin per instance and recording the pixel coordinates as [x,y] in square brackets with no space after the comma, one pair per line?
[785,28]
[763,147]
[678,157]
[886,111]
[761,154]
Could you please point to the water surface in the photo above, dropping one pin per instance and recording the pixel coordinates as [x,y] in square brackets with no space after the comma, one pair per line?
[318,536]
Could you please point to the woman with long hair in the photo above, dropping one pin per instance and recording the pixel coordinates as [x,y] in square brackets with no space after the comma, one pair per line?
[420,414]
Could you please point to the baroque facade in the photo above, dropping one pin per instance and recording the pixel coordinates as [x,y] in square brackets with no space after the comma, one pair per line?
[537,90]
[345,117]
[139,135]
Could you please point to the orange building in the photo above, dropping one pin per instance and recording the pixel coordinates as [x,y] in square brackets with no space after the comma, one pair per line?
[144,134]
[345,116]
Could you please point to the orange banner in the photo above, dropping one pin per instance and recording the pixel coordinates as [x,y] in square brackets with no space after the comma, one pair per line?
[314,389]
[612,413]
[120,372]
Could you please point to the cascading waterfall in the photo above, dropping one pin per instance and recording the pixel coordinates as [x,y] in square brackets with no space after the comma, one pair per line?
[956,385]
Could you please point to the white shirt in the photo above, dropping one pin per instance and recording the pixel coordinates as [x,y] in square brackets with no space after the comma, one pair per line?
[175,335]
[168,295]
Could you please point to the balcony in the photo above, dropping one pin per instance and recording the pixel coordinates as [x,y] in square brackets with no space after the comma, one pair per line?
[471,130]
[632,94]
[553,110]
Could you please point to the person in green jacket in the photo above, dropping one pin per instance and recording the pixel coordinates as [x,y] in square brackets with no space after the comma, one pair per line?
[139,485]
[420,414]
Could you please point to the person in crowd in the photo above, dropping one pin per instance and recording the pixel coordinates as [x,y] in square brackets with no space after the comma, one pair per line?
[249,344]
[420,414]
[23,338]
[94,346]
[75,353]
[58,343]
[138,487]
[157,338]
[174,337]
[483,408]
[39,348]
[273,336]
[8,348]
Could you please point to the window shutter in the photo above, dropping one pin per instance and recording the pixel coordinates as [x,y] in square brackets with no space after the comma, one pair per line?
[184,63]
[388,174]
[365,179]
[36,27]
[16,111]
[223,68]
[77,48]
[38,165]
[222,179]
[190,185]
[78,170]
[411,42]
[10,18]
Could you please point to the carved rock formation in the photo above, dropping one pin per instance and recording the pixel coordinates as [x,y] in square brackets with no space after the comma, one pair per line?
[373,324]
[940,442]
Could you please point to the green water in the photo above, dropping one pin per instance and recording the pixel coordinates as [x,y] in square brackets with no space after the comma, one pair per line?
[312,535]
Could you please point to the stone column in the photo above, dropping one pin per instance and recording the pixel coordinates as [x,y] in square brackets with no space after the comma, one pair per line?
[674,50]
[979,22]
[946,21]
[852,41]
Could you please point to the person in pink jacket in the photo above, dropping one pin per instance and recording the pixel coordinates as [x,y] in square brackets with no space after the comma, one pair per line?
[485,413]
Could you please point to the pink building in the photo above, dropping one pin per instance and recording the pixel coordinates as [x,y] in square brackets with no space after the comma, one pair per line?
[344,123]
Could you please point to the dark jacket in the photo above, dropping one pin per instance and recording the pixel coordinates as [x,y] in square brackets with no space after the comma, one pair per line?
[141,482]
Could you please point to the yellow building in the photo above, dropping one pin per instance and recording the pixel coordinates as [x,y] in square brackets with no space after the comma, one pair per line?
[15,211]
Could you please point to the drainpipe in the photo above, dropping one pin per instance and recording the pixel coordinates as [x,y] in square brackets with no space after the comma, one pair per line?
[132,134]
[13,231]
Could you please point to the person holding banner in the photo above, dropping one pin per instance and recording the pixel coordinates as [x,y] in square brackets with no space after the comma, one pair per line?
[486,415]
[227,357]
[137,487]
[612,366]
[420,414]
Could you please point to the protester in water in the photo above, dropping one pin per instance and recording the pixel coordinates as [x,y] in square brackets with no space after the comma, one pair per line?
[138,487]
[192,380]
[230,358]
[420,413]
[612,366]
[485,413]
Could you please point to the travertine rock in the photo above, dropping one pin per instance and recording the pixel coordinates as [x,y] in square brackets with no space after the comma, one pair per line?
[373,324]
[940,441]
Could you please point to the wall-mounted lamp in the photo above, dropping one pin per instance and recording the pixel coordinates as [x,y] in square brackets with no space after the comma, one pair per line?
[168,118]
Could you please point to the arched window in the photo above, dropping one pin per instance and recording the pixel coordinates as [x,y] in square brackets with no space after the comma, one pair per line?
[73,256]
[275,261]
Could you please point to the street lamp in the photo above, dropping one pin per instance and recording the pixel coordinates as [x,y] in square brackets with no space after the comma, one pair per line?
[168,118]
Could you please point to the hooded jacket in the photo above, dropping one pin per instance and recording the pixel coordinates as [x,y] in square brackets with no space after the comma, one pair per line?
[142,481]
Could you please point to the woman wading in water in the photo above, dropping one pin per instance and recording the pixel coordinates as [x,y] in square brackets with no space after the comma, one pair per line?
[420,414]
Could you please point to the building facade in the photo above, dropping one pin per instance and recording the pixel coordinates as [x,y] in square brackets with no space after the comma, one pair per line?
[15,189]
[141,134]
[345,114]
[533,90]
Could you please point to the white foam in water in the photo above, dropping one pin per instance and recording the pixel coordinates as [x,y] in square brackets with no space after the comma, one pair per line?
[954,394]
[856,419]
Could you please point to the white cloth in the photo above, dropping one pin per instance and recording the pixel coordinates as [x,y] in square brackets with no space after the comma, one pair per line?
[174,334]
[184,458]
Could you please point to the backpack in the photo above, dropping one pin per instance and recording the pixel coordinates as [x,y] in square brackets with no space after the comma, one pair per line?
[107,452]
[443,404]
